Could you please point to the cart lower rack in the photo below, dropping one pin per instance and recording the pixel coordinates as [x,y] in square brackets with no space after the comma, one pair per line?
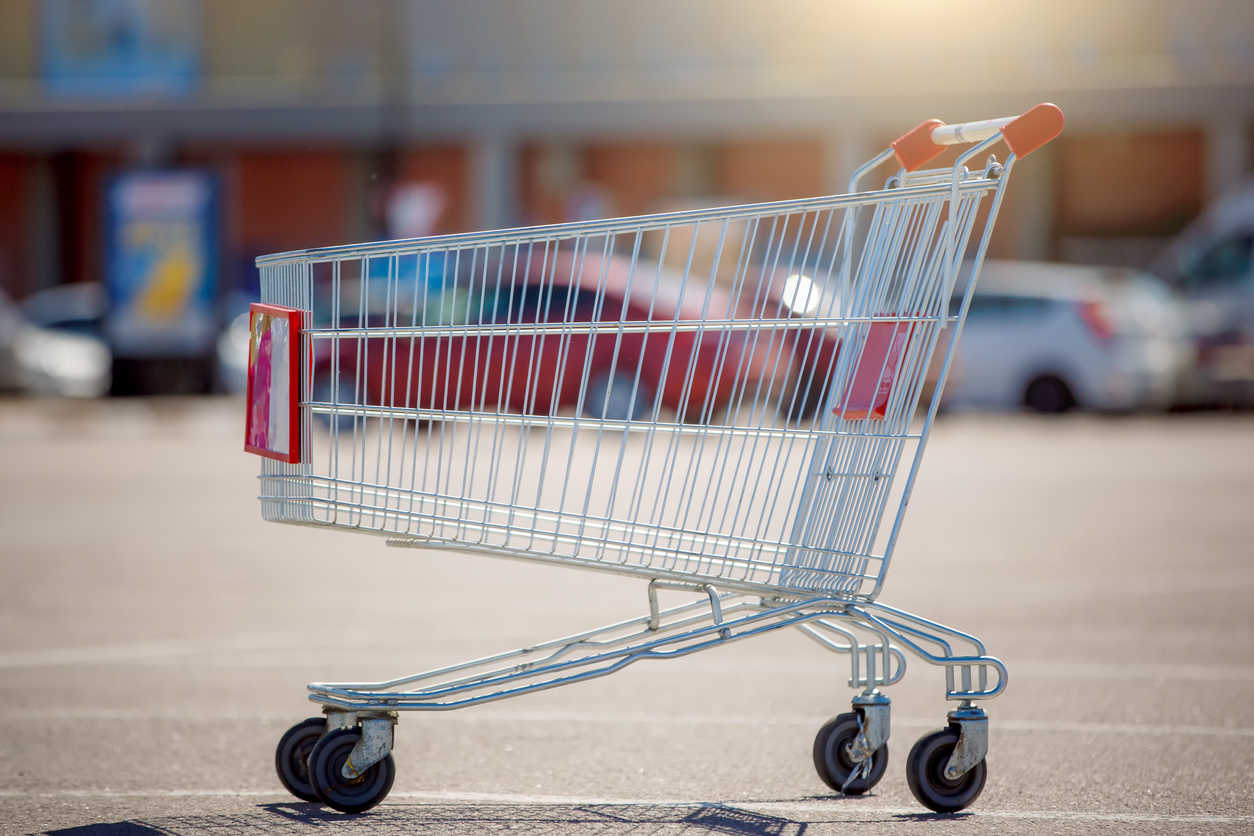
[732,402]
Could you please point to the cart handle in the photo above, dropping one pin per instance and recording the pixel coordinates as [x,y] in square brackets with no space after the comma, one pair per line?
[1024,134]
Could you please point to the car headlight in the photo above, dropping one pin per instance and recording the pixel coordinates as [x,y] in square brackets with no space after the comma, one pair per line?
[239,331]
[801,295]
[71,361]
[233,344]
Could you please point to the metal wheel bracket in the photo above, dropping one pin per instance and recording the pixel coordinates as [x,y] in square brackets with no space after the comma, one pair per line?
[374,745]
[337,719]
[873,721]
[715,619]
[716,607]
[859,772]
[876,664]
[972,743]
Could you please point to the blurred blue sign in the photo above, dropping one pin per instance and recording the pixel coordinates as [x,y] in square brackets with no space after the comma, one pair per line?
[120,48]
[161,270]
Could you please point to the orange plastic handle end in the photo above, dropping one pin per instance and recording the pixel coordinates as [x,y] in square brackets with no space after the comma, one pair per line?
[1033,129]
[916,148]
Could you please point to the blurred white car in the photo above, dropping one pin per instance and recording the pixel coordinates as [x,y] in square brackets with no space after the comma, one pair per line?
[50,361]
[1052,337]
[1211,266]
[232,352]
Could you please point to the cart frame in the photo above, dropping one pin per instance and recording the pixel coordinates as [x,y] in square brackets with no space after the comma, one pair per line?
[788,572]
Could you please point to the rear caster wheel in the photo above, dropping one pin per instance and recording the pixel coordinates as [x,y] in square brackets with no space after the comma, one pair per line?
[831,756]
[291,758]
[1049,395]
[340,793]
[925,773]
[610,398]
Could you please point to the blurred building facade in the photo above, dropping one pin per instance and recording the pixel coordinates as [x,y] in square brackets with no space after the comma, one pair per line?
[321,118]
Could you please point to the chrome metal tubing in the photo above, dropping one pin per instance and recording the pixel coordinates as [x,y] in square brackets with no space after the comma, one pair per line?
[721,618]
[732,402]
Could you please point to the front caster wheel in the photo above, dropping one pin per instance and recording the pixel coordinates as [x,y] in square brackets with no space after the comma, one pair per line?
[925,773]
[291,758]
[340,793]
[831,756]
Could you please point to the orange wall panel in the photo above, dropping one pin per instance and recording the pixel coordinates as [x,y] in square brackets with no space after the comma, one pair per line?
[1137,185]
[14,249]
[541,204]
[292,199]
[772,169]
[80,181]
[636,175]
[446,166]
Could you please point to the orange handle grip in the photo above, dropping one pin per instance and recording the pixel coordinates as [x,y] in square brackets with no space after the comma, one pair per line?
[1033,129]
[1024,134]
[916,149]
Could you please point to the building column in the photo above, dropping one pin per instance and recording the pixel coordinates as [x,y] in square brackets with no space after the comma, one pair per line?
[844,151]
[1032,190]
[494,181]
[1227,157]
[43,228]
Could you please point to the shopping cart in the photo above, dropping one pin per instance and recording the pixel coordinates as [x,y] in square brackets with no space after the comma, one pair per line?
[722,402]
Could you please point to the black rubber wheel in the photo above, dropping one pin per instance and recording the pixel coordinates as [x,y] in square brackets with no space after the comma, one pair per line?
[345,394]
[925,773]
[610,398]
[807,403]
[291,758]
[831,759]
[1049,395]
[338,792]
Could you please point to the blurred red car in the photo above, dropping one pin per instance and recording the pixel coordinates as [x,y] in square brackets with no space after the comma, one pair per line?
[476,359]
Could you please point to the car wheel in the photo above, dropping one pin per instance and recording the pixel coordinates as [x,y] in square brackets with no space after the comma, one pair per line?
[345,395]
[1048,395]
[811,395]
[610,398]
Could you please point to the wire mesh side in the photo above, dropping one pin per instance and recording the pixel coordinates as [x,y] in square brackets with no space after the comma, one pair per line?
[285,492]
[716,395]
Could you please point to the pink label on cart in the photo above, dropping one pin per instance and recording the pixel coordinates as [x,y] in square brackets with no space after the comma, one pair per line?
[867,395]
[272,425]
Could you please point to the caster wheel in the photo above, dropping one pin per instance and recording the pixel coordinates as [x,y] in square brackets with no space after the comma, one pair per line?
[610,397]
[925,773]
[291,758]
[831,759]
[338,792]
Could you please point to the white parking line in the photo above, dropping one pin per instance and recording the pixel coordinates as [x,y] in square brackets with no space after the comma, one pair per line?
[837,808]
[1051,726]
[272,649]
[1031,815]
[489,716]
[1095,670]
[146,650]
[144,794]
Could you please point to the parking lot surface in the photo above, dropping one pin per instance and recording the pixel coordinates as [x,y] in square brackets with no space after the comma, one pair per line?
[156,637]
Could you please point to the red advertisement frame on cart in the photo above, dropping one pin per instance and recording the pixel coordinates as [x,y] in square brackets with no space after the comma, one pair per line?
[268,421]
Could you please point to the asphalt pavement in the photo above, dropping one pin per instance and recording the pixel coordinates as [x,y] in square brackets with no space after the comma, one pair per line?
[156,637]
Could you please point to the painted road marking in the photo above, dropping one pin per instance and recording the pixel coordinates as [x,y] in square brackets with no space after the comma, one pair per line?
[841,808]
[181,651]
[490,716]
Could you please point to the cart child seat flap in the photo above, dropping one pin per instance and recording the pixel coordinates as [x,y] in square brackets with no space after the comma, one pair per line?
[867,394]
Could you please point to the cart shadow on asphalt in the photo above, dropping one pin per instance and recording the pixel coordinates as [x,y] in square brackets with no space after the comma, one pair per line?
[601,819]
